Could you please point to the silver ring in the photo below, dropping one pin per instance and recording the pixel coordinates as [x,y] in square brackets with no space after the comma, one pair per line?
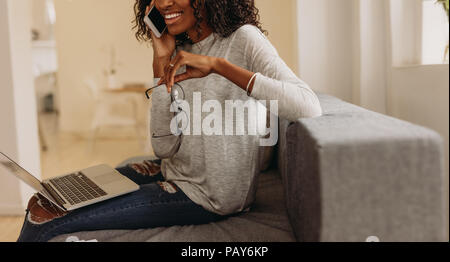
[172,65]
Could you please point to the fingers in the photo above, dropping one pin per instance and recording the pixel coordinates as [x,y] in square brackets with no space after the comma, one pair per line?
[167,72]
[170,70]
[149,7]
[174,65]
[181,77]
[165,78]
[152,4]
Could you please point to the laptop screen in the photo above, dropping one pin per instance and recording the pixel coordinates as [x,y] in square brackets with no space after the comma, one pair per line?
[9,166]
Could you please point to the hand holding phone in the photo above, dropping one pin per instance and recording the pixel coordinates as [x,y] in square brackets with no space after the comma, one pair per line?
[163,44]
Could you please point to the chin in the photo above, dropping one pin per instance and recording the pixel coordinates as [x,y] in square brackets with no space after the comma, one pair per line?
[175,31]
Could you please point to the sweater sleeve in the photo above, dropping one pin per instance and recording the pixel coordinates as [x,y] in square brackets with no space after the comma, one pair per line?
[275,80]
[164,143]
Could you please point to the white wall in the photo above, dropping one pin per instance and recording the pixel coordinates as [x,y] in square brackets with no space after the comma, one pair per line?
[280,20]
[40,20]
[343,49]
[406,27]
[84,32]
[435,33]
[325,46]
[371,87]
[18,132]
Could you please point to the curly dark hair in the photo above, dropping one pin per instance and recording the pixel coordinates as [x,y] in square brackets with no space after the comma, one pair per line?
[223,16]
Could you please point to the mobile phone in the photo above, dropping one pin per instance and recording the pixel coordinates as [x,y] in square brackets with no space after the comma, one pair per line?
[156,22]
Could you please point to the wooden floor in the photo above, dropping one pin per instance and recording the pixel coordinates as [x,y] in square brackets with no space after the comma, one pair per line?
[10,228]
[67,153]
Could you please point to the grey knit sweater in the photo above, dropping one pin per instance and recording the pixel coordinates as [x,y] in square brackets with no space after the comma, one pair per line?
[219,171]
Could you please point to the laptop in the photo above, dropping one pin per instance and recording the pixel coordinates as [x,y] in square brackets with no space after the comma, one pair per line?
[77,189]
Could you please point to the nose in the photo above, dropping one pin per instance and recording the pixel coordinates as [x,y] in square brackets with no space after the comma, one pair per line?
[164,4]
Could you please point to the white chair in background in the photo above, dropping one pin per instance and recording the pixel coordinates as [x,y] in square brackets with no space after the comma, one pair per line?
[104,103]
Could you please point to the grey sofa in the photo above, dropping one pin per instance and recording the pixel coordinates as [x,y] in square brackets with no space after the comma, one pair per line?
[350,175]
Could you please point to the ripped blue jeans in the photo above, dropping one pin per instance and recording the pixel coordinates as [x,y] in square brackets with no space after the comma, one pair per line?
[156,204]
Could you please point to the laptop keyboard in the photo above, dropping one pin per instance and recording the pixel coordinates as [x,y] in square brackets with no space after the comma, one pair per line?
[77,188]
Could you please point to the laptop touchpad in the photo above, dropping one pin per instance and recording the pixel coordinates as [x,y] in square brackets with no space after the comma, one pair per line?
[107,178]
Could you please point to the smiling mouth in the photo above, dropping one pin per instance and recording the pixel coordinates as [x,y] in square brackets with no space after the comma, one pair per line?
[172,17]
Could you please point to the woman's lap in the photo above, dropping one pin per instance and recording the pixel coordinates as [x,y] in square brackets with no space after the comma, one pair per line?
[155,204]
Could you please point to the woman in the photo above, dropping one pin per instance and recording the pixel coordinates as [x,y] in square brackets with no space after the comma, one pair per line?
[213,50]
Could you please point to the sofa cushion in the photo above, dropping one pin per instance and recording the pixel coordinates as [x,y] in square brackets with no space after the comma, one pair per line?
[267,221]
[267,153]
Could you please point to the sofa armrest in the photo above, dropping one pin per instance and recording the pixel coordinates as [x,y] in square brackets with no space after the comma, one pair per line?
[353,173]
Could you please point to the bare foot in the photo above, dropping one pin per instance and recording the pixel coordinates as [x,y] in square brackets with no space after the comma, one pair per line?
[42,211]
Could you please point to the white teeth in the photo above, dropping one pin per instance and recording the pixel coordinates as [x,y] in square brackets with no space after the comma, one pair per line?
[170,16]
